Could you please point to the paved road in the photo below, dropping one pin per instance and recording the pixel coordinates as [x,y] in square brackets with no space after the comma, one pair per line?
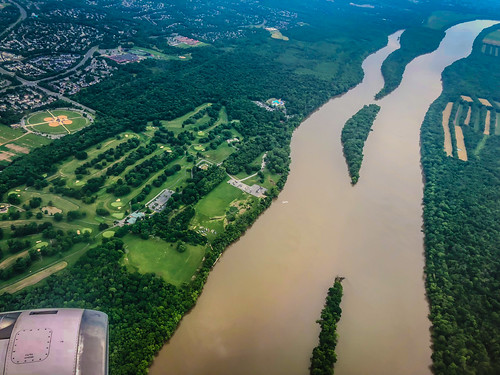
[21,18]
[34,84]
[88,55]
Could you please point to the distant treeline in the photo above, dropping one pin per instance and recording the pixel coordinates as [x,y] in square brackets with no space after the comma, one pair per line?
[354,135]
[323,356]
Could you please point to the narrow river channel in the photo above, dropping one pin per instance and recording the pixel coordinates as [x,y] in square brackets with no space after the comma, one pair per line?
[257,313]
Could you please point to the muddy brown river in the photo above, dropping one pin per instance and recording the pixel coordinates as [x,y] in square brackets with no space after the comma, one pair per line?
[257,312]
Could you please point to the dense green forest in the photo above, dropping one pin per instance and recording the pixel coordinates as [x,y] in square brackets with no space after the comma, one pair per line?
[323,356]
[354,135]
[462,229]
[321,59]
[144,310]
[415,41]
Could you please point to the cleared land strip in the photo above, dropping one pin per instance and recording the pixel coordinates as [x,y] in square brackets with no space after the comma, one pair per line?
[467,98]
[33,279]
[447,136]
[467,119]
[461,150]
[487,123]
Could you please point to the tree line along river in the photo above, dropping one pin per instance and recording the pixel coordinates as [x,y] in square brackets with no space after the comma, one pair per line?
[258,310]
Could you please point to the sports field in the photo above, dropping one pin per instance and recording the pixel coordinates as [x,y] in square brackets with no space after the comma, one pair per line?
[58,121]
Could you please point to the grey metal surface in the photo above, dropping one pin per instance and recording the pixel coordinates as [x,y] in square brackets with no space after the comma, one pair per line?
[54,342]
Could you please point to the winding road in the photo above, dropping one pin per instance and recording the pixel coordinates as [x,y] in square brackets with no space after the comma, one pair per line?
[34,84]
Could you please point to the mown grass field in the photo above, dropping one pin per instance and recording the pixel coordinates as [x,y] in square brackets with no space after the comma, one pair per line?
[160,257]
[211,209]
[15,142]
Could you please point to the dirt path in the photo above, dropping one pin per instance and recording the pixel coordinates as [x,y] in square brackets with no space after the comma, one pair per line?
[33,279]
[447,135]
[461,150]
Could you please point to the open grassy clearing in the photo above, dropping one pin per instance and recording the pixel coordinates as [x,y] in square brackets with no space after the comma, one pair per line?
[269,180]
[211,209]
[156,54]
[15,142]
[497,126]
[220,154]
[187,46]
[475,119]
[160,257]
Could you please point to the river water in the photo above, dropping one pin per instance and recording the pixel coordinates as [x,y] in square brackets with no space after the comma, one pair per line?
[257,312]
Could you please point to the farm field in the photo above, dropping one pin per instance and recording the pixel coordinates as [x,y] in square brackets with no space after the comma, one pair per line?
[485,102]
[467,118]
[493,36]
[461,149]
[487,122]
[58,121]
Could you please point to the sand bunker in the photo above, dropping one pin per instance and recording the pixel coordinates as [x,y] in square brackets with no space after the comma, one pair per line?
[447,136]
[467,98]
[51,210]
[17,148]
[487,123]
[461,150]
[485,102]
